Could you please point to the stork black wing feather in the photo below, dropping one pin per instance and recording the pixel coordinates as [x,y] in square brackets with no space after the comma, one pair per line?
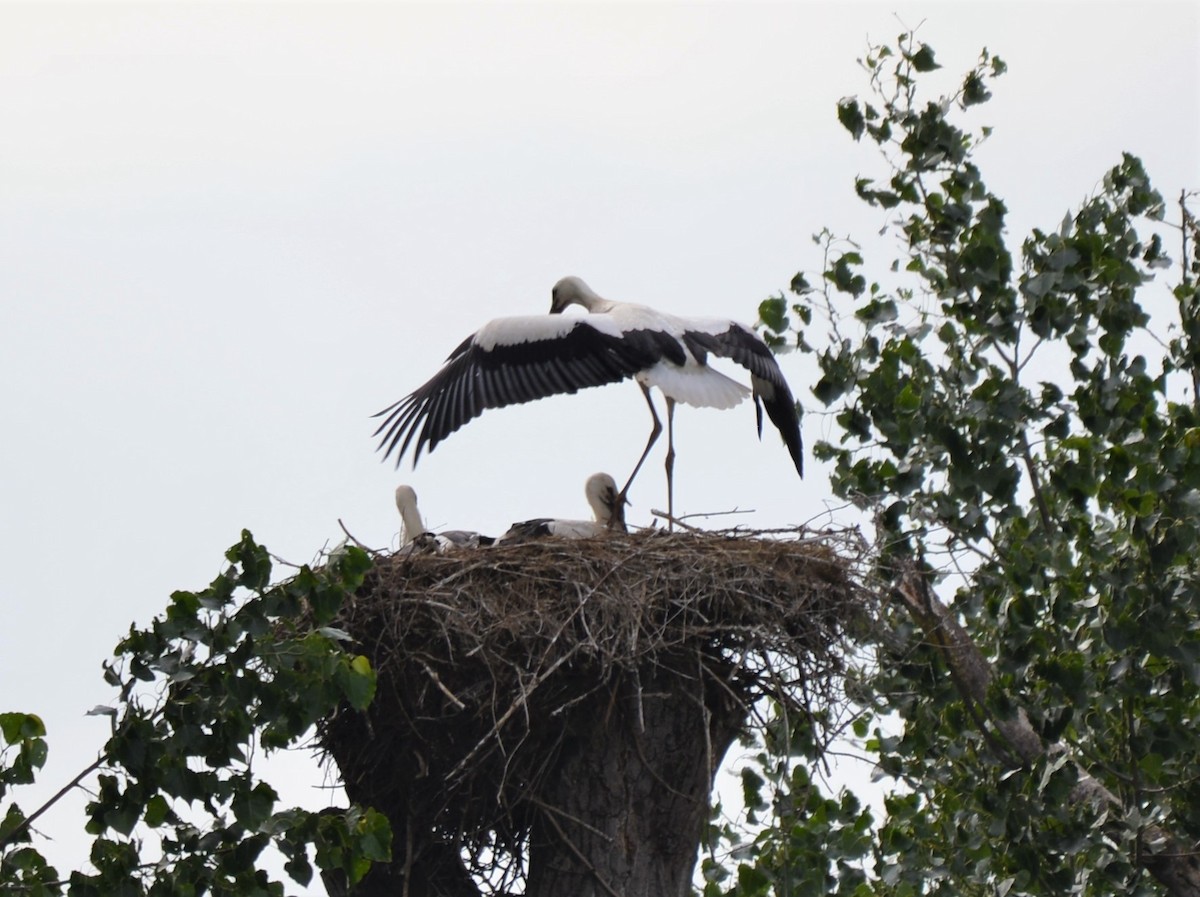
[742,346]
[474,378]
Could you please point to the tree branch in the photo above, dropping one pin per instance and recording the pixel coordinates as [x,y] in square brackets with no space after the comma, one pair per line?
[12,836]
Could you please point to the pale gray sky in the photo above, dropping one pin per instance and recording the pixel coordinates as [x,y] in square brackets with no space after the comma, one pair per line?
[231,232]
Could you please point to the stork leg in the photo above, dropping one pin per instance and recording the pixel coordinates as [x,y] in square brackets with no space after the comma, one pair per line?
[670,464]
[654,434]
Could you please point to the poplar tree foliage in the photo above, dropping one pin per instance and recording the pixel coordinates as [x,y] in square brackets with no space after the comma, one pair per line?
[179,807]
[1022,426]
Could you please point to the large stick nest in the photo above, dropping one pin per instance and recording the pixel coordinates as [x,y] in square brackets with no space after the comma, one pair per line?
[486,658]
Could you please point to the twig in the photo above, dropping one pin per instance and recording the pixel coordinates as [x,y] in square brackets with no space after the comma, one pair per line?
[641,713]
[706,514]
[582,859]
[706,717]
[665,516]
[441,686]
[542,805]
[350,536]
[408,855]
[517,704]
[29,820]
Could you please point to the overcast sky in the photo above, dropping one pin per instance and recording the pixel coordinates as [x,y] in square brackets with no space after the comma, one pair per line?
[229,233]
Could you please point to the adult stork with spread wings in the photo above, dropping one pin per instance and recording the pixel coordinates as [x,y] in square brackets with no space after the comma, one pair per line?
[513,360]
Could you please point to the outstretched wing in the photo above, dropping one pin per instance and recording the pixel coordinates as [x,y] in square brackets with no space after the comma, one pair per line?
[510,361]
[729,339]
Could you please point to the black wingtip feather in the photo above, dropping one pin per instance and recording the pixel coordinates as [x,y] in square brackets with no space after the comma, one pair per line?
[742,346]
[786,417]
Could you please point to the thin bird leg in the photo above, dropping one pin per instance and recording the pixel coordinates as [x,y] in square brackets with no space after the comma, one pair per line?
[653,436]
[670,464]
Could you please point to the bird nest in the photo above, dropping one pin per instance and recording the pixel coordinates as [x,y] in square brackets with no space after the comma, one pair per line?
[488,659]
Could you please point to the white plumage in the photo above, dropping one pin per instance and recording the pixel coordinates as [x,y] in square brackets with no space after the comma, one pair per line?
[519,359]
[697,385]
[608,508]
[415,537]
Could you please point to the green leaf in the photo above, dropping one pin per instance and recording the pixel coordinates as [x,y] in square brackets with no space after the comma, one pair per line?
[923,61]
[357,681]
[974,90]
[844,278]
[772,313]
[13,819]
[253,807]
[850,115]
[17,727]
[300,870]
[375,837]
[185,603]
[800,285]
[157,811]
[254,561]
[878,311]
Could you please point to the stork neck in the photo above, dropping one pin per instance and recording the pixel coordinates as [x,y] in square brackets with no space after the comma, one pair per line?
[595,305]
[601,510]
[413,527]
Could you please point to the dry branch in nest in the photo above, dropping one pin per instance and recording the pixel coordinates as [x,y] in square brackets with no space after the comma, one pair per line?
[500,669]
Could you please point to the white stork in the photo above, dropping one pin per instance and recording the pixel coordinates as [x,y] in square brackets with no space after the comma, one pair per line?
[519,359]
[415,537]
[607,506]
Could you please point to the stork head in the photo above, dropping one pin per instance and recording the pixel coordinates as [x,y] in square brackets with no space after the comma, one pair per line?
[601,492]
[406,497]
[571,291]
[406,504]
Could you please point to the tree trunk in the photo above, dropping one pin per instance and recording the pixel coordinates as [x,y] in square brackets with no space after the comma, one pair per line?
[624,811]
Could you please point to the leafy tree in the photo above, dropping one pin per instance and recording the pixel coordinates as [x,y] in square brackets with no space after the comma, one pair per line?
[179,808]
[1026,439]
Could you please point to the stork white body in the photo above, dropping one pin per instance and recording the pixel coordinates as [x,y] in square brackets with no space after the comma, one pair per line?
[607,508]
[519,359]
[414,537]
